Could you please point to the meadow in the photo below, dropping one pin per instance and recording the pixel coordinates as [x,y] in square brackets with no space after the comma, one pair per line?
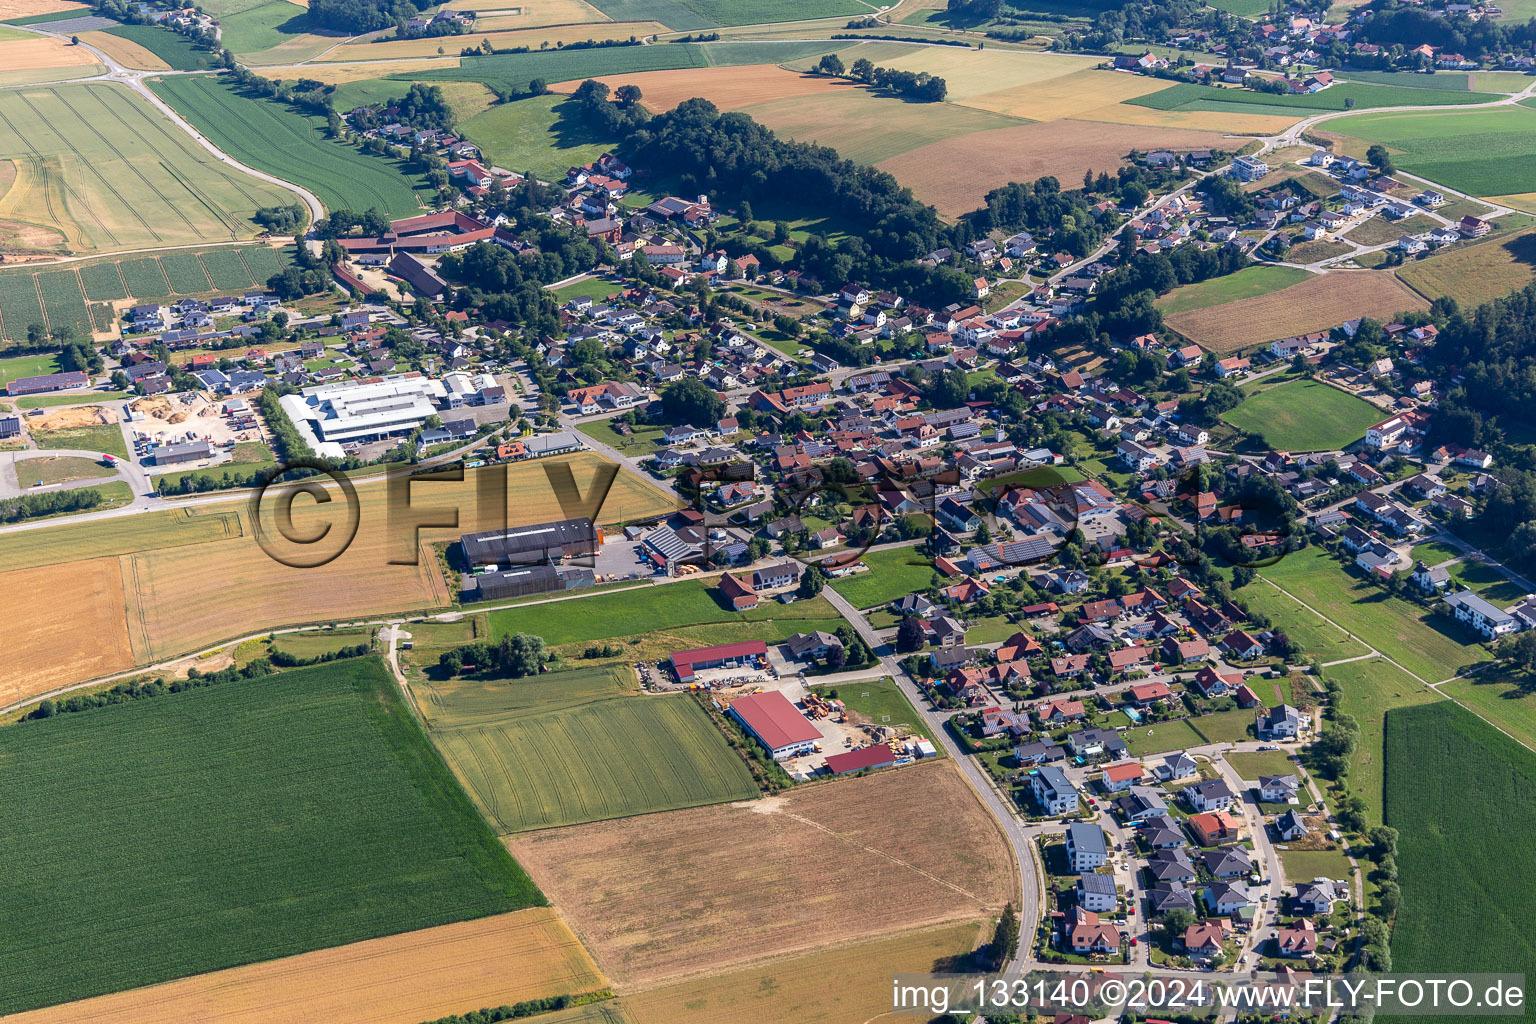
[1318,638]
[98,166]
[1427,646]
[693,891]
[1504,697]
[665,607]
[691,15]
[506,70]
[541,135]
[1162,737]
[1305,416]
[273,138]
[418,975]
[308,810]
[1317,304]
[1264,762]
[1187,96]
[1480,152]
[893,573]
[1369,691]
[264,26]
[539,764]
[1246,283]
[1474,274]
[1458,850]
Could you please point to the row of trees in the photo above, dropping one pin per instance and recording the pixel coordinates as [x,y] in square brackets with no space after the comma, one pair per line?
[912,85]
[513,656]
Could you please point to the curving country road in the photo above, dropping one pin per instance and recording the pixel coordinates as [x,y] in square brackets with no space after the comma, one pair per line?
[134,80]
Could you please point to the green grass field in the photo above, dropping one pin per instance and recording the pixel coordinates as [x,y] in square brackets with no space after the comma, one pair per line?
[27,366]
[602,616]
[1480,152]
[1226,726]
[542,135]
[262,27]
[1370,689]
[1428,646]
[1319,639]
[1305,865]
[270,136]
[107,438]
[1178,734]
[1262,762]
[107,171]
[882,703]
[1502,696]
[505,70]
[1447,80]
[676,15]
[1462,798]
[1242,8]
[1186,96]
[34,472]
[243,822]
[1246,283]
[572,747]
[1304,415]
[176,50]
[893,573]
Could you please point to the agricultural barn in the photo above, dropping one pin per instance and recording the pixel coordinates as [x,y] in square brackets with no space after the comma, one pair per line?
[526,579]
[772,719]
[525,545]
[743,654]
[877,756]
[47,382]
[174,454]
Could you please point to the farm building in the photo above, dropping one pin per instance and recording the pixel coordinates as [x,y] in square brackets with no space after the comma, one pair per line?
[47,382]
[873,757]
[522,580]
[417,275]
[175,454]
[525,545]
[10,426]
[743,654]
[772,720]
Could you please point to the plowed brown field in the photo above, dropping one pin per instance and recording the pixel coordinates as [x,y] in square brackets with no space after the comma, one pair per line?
[1317,304]
[665,896]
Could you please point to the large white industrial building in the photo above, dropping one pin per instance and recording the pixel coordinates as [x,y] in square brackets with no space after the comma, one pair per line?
[331,415]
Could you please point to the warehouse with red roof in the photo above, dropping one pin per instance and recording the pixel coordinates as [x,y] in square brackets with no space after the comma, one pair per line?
[878,756]
[751,654]
[775,723]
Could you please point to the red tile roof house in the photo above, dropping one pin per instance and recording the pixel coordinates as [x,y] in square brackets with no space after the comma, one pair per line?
[1203,939]
[737,593]
[1058,711]
[1085,933]
[1123,658]
[1119,777]
[1183,651]
[1145,693]
[1239,644]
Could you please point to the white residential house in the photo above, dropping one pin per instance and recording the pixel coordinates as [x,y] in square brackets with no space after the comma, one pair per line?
[1482,616]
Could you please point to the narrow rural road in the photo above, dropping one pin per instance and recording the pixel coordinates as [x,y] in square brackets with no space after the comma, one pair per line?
[1030,903]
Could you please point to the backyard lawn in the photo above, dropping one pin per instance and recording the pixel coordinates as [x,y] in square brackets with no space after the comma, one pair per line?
[1262,762]
[1162,737]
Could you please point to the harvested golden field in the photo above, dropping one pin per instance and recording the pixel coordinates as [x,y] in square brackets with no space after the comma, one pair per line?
[1473,274]
[63,627]
[1525,201]
[534,13]
[125,51]
[967,72]
[1064,96]
[42,52]
[1222,121]
[179,606]
[195,577]
[534,38]
[665,896]
[729,88]
[27,8]
[840,986]
[341,74]
[401,979]
[956,173]
[1317,304]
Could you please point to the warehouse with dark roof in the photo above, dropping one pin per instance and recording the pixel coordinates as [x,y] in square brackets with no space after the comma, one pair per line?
[523,580]
[522,545]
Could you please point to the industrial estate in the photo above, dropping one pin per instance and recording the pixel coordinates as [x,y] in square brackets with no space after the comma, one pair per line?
[672,511]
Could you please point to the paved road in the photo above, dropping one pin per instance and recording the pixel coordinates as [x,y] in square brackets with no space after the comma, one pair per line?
[130,472]
[1018,837]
